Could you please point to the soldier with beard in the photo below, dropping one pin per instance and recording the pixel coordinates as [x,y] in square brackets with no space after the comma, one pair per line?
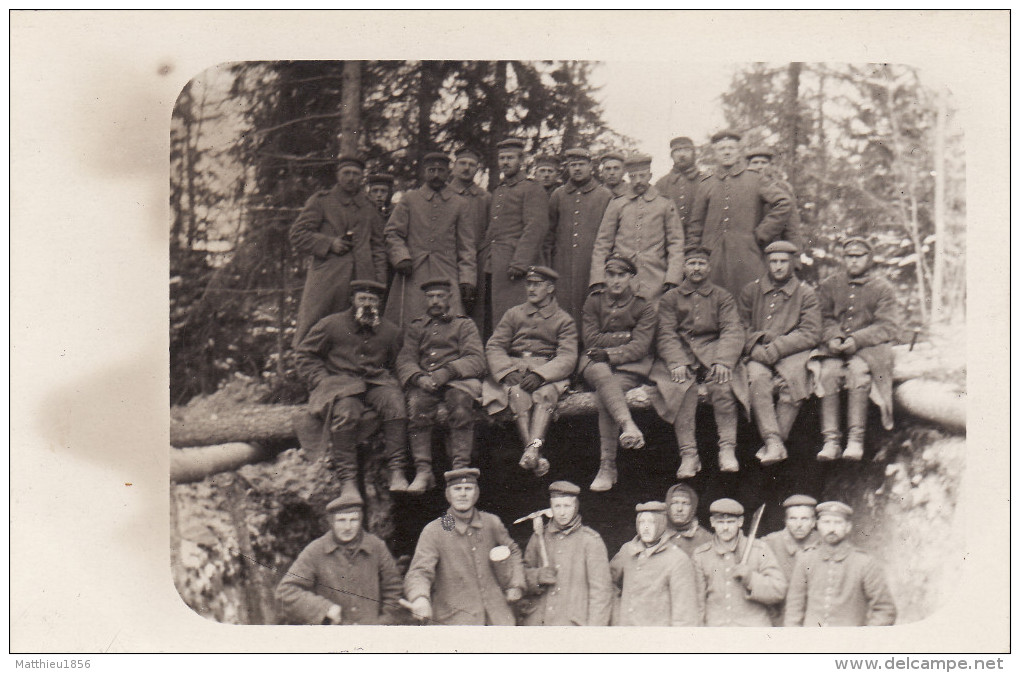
[682,519]
[347,360]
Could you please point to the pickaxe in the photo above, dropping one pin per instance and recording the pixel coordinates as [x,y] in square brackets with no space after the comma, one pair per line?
[539,530]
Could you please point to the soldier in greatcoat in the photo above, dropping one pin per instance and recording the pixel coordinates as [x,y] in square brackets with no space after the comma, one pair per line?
[341,232]
[682,519]
[575,588]
[644,227]
[836,584]
[783,326]
[465,167]
[618,328]
[575,212]
[797,535]
[860,320]
[611,173]
[380,192]
[430,235]
[518,224]
[761,159]
[731,592]
[681,183]
[699,339]
[531,354]
[736,214]
[441,361]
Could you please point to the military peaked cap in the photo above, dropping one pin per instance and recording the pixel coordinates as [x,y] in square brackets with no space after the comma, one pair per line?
[759,151]
[682,141]
[726,506]
[617,262]
[857,242]
[724,134]
[697,251]
[638,162]
[349,160]
[781,246]
[436,158]
[835,507]
[613,156]
[465,151]
[652,506]
[436,284]
[379,179]
[577,153]
[542,273]
[372,286]
[547,160]
[345,501]
[800,501]
[563,488]
[511,144]
[465,475]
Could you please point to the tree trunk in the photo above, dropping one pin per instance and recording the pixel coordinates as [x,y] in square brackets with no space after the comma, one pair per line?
[792,120]
[350,108]
[428,93]
[497,124]
[940,207]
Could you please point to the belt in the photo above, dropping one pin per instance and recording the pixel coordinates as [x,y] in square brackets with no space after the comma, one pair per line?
[529,354]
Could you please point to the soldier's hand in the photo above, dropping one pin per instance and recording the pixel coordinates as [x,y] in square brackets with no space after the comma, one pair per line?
[515,272]
[340,246]
[835,345]
[333,615]
[441,377]
[512,379]
[721,373]
[546,576]
[428,384]
[666,287]
[531,382]
[849,346]
[513,594]
[598,355]
[421,608]
[404,268]
[758,354]
[467,296]
[742,573]
[678,374]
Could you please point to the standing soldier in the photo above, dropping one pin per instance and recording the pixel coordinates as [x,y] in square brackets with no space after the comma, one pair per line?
[451,580]
[380,193]
[835,583]
[465,168]
[567,566]
[761,159]
[430,235]
[783,326]
[860,318]
[575,212]
[682,519]
[618,329]
[736,214]
[644,227]
[732,592]
[347,576]
[531,355]
[518,223]
[441,361]
[546,172]
[654,580]
[611,172]
[347,359]
[788,544]
[681,183]
[342,232]
[699,340]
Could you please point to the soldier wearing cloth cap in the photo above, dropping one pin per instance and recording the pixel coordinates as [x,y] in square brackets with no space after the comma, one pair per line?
[380,192]
[760,159]
[736,214]
[518,224]
[644,227]
[733,593]
[347,360]
[682,519]
[787,544]
[465,167]
[545,172]
[441,361]
[347,576]
[783,326]
[575,589]
[430,235]
[681,183]
[531,355]
[575,212]
[618,328]
[836,584]
[342,232]
[611,173]
[654,580]
[860,319]
[699,339]
[450,580]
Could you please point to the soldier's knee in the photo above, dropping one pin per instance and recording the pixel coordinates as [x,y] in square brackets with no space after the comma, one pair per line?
[858,373]
[346,413]
[597,373]
[831,374]
[390,405]
[546,396]
[757,373]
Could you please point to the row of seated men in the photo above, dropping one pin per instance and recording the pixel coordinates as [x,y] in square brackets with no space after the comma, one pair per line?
[467,570]
[769,349]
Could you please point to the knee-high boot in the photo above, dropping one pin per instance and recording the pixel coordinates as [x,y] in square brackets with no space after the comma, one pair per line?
[394,450]
[421,452]
[606,477]
[831,448]
[856,416]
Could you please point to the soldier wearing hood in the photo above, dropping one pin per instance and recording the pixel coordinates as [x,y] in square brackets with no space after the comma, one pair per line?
[682,519]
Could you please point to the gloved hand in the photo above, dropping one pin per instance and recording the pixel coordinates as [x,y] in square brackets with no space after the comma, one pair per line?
[442,376]
[467,296]
[515,272]
[849,346]
[512,379]
[835,345]
[427,383]
[598,355]
[404,268]
[666,287]
[340,246]
[531,382]
[546,576]
[721,373]
[758,354]
[742,573]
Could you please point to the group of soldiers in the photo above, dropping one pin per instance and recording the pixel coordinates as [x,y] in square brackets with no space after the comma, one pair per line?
[454,297]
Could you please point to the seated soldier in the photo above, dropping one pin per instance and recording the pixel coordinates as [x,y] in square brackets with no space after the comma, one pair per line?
[784,325]
[860,316]
[441,361]
[531,354]
[618,329]
[700,337]
[347,359]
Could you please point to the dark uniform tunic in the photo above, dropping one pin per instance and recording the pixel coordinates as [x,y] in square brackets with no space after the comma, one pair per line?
[432,343]
[479,200]
[682,187]
[625,327]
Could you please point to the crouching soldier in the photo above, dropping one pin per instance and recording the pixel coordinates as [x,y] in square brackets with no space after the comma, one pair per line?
[784,325]
[859,324]
[347,359]
[531,354]
[618,329]
[567,566]
[700,338]
[735,593]
[347,576]
[654,580]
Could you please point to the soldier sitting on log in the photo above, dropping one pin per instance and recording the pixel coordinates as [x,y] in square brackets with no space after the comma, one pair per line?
[347,359]
[531,354]
[618,328]
[441,361]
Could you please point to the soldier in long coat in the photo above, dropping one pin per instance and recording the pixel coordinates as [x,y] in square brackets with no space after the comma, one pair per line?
[644,227]
[681,183]
[700,337]
[441,361]
[736,214]
[430,235]
[575,212]
[760,159]
[341,232]
[783,326]
[575,588]
[611,173]
[465,167]
[860,321]
[731,592]
[835,583]
[518,224]
[451,580]
[682,519]
[797,535]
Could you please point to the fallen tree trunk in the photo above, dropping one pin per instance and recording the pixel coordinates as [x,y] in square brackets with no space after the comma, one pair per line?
[197,463]
[934,401]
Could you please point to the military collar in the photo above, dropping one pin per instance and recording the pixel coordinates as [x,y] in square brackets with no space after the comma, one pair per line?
[734,170]
[836,552]
[687,287]
[585,188]
[689,173]
[332,544]
[734,547]
[621,189]
[347,199]
[460,188]
[690,531]
[573,525]
[430,193]
[638,547]
[861,279]
[510,182]
[787,288]
[546,311]
[475,522]
[625,299]
[650,194]
[442,320]
[791,545]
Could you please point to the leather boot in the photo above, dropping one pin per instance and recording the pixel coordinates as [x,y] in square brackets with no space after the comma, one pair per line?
[728,458]
[831,448]
[541,416]
[856,416]
[349,489]
[421,453]
[786,415]
[460,445]
[344,454]
[606,478]
[394,450]
[690,463]
[773,452]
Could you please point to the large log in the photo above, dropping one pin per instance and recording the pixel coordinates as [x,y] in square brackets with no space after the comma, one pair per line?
[934,401]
